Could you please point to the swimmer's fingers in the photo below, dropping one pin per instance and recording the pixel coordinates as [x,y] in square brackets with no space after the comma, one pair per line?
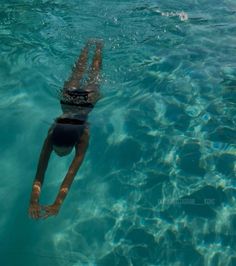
[45,216]
[46,212]
[50,210]
[34,214]
[31,214]
[34,211]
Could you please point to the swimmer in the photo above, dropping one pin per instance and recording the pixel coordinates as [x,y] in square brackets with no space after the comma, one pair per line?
[70,130]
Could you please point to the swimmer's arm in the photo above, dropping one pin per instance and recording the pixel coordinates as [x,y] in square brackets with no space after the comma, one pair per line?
[74,167]
[42,166]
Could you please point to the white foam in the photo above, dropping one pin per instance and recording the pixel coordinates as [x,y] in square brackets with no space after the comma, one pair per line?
[183,16]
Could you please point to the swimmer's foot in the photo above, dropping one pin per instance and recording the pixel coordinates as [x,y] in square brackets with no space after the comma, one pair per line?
[97,42]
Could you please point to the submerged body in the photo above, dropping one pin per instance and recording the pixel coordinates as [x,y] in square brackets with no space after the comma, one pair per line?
[70,130]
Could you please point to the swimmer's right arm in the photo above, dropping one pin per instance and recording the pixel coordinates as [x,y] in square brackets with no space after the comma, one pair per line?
[34,208]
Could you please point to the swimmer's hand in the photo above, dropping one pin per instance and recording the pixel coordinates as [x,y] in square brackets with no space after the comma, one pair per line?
[51,210]
[35,210]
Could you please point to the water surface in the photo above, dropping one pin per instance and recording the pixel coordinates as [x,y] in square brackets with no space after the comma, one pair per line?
[157,186]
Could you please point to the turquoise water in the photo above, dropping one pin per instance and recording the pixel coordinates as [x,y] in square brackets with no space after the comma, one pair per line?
[157,186]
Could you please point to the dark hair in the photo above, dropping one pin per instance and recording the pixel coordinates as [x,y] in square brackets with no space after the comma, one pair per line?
[66,135]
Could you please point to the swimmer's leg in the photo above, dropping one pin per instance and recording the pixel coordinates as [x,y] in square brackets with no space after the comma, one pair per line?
[79,69]
[96,64]
[94,73]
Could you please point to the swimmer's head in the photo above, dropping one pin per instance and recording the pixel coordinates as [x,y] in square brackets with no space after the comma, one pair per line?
[62,151]
[64,138]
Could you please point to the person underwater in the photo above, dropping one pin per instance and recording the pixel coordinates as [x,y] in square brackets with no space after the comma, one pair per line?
[70,130]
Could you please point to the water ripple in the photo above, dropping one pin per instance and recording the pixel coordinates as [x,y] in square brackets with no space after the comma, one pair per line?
[157,186]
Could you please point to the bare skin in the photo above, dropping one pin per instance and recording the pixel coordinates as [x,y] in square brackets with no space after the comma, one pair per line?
[37,211]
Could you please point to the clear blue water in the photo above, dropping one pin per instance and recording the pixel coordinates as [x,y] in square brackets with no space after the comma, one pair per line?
[157,186]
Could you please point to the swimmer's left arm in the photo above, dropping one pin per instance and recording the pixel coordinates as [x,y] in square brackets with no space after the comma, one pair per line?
[74,167]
